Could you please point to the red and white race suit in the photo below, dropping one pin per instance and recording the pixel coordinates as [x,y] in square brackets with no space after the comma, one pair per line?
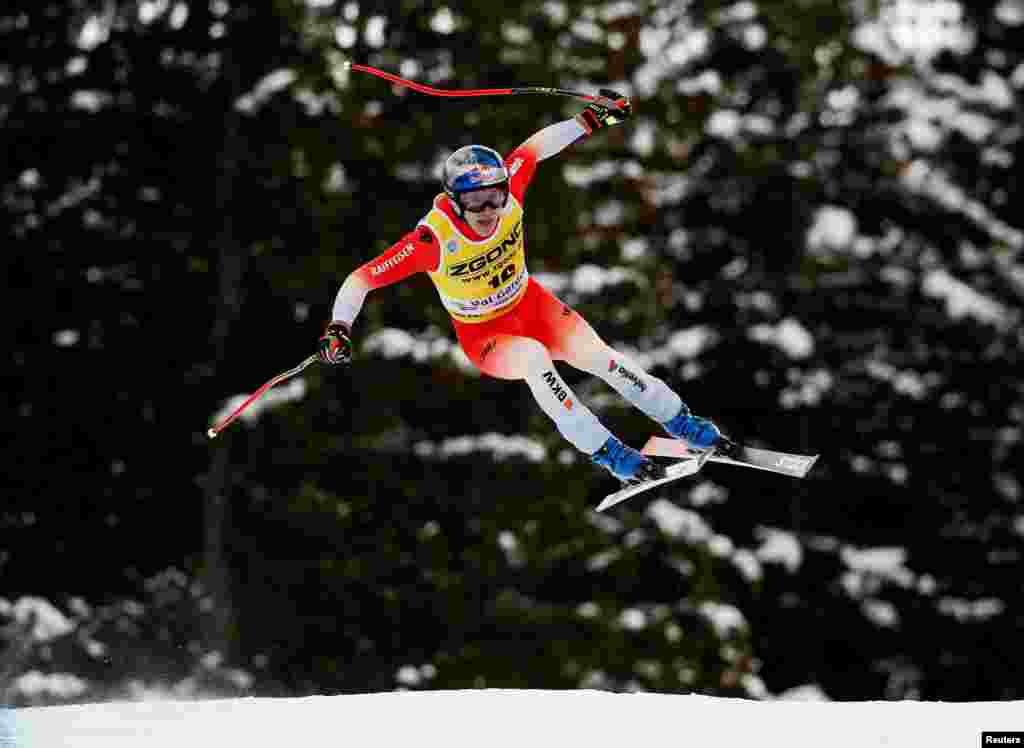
[509,325]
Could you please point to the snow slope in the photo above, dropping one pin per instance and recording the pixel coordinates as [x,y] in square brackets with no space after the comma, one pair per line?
[495,718]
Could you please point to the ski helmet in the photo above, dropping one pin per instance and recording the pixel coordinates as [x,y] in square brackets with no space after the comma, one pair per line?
[474,167]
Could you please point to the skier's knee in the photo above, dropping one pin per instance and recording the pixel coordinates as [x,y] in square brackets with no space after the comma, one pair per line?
[533,355]
[514,357]
[595,358]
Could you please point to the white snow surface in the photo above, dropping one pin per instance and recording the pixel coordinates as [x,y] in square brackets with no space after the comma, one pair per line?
[497,718]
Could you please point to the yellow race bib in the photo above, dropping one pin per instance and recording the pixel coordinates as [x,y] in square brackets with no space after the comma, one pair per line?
[480,280]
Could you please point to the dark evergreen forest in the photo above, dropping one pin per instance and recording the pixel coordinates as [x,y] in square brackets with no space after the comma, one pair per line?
[807,229]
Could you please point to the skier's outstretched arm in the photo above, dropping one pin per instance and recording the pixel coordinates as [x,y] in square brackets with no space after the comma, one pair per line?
[416,252]
[554,139]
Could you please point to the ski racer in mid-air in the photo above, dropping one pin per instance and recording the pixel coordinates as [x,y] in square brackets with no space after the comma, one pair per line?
[472,245]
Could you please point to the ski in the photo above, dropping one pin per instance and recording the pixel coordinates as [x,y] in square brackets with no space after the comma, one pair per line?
[683,466]
[688,461]
[785,463]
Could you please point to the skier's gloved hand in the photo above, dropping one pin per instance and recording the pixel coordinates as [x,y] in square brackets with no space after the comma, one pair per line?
[597,116]
[335,346]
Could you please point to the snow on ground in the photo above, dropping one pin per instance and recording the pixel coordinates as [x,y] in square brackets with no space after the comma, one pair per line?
[495,718]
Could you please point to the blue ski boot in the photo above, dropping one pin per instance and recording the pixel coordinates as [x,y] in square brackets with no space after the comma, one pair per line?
[625,463]
[698,432]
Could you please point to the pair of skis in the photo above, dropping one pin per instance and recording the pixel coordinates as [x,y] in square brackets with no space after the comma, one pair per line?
[687,461]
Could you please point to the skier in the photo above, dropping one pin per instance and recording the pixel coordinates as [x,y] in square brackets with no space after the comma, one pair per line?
[472,246]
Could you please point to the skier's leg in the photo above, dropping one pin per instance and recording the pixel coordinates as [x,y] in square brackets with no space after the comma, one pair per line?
[585,350]
[504,349]
[573,340]
[516,357]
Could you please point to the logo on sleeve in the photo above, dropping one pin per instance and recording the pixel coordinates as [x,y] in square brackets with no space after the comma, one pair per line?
[396,259]
[514,167]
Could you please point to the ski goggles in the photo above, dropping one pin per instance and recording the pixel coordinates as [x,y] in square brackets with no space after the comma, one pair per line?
[487,197]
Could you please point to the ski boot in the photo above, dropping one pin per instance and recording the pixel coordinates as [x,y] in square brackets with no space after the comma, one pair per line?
[699,433]
[625,463]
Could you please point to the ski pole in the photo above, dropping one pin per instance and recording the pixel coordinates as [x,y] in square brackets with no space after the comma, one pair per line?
[213,431]
[431,91]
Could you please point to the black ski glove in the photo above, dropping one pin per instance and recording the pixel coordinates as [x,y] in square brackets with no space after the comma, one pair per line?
[597,116]
[335,345]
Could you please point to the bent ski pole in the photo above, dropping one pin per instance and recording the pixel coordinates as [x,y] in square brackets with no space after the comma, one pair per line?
[214,430]
[431,91]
